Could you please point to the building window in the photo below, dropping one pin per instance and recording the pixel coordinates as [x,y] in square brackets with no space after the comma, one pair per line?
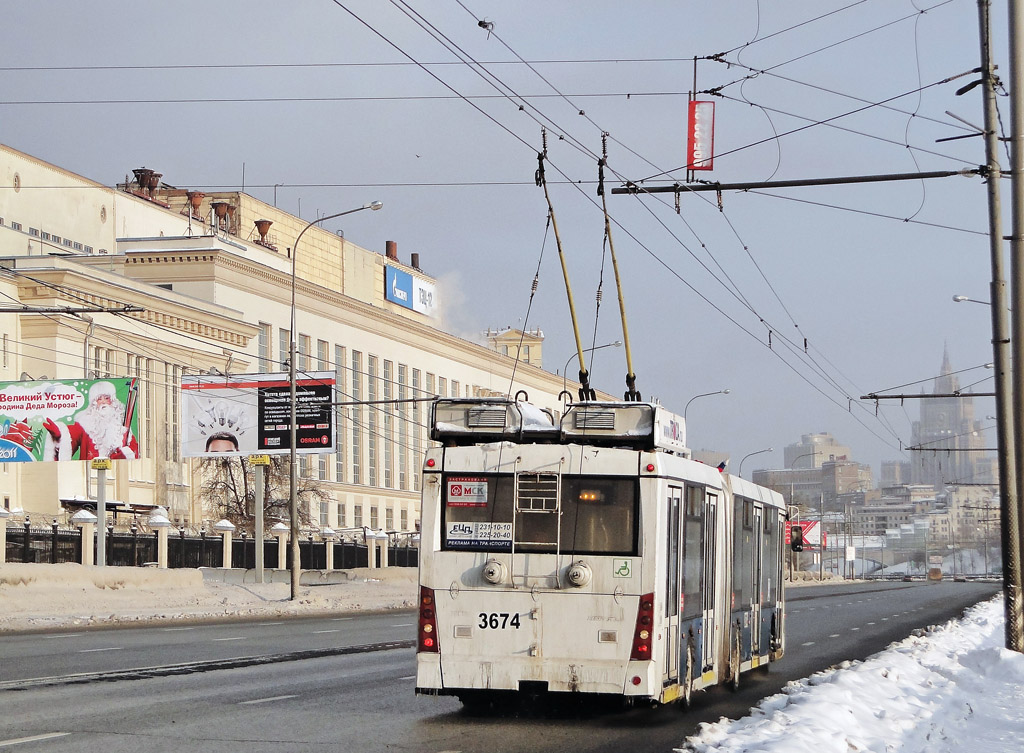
[15,226]
[404,517]
[403,427]
[417,431]
[263,347]
[371,420]
[357,516]
[323,350]
[341,515]
[323,515]
[389,519]
[304,344]
[357,417]
[284,346]
[374,517]
[340,425]
[455,388]
[442,387]
[526,353]
[33,231]
[322,467]
[389,420]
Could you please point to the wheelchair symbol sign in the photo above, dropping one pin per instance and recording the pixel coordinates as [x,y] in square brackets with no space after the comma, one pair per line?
[622,568]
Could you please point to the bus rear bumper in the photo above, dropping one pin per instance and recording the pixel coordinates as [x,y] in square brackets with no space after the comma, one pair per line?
[461,675]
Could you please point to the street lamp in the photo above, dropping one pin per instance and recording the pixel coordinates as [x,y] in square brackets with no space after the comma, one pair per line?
[704,394]
[965,299]
[756,452]
[616,344]
[293,502]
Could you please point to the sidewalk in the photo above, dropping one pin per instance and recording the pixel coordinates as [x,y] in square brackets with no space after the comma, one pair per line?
[55,597]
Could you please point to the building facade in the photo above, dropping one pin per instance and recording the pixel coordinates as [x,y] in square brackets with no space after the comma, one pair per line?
[209,279]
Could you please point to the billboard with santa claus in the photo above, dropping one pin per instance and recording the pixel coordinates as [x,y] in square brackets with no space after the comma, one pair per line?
[68,419]
[245,414]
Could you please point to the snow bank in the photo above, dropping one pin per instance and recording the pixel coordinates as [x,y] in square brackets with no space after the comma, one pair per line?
[948,689]
[38,596]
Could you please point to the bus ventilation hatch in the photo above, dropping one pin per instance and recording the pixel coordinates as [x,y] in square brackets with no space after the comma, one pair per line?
[594,419]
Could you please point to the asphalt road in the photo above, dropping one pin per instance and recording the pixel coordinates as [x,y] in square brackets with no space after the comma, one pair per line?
[353,689]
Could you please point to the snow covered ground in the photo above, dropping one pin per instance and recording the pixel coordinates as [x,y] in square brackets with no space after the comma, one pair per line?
[949,689]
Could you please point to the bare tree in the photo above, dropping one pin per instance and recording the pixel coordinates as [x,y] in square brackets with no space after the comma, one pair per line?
[228,491]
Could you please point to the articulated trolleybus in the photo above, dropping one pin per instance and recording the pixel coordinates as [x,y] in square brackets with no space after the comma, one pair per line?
[589,556]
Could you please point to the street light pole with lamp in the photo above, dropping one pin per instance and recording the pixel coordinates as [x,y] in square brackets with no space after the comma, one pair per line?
[751,454]
[616,344]
[703,394]
[293,501]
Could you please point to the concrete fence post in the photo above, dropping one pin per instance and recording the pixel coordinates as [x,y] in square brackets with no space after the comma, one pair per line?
[225,528]
[280,531]
[328,536]
[4,515]
[85,521]
[161,524]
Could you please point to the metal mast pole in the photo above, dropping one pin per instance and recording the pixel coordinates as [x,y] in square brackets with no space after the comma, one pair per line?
[1009,491]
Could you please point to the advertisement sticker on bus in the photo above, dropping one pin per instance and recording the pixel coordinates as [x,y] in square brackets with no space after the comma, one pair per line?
[479,535]
[465,491]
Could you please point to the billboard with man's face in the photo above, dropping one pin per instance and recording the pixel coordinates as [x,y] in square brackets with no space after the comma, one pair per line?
[246,414]
[68,419]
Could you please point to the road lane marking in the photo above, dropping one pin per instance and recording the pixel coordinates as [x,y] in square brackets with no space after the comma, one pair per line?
[93,650]
[405,624]
[172,630]
[834,635]
[266,700]
[34,738]
[410,677]
[340,619]
[854,629]
[236,638]
[871,623]
[809,643]
[268,624]
[64,635]
[317,632]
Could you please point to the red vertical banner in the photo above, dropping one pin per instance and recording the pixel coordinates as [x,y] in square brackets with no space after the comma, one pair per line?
[700,136]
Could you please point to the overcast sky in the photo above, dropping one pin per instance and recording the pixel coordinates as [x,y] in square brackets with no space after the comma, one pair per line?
[336,104]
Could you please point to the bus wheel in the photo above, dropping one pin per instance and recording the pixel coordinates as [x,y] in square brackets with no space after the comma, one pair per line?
[734,663]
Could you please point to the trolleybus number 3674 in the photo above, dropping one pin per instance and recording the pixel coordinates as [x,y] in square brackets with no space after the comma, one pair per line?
[498,620]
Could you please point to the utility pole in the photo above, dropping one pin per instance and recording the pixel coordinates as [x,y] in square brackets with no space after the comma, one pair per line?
[1009,415]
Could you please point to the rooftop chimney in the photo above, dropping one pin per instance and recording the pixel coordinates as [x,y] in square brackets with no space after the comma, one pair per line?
[220,211]
[195,199]
[414,260]
[263,226]
[391,250]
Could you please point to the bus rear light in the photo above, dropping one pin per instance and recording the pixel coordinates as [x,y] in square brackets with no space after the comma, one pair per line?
[427,629]
[642,632]
[636,680]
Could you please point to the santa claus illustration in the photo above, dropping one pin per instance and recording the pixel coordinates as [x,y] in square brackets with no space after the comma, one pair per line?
[98,431]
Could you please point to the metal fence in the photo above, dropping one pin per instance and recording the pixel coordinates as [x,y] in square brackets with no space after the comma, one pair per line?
[134,548]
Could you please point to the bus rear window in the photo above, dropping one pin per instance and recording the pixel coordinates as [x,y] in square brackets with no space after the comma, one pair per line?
[586,515]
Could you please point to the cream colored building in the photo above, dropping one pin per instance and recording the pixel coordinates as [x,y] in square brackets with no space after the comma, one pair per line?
[213,291]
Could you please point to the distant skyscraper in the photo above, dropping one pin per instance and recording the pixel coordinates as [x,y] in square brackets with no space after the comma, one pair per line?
[949,438]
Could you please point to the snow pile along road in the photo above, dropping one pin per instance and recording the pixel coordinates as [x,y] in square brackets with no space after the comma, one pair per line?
[38,596]
[950,689]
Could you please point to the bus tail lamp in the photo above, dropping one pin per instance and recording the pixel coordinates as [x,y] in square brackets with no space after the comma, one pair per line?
[642,635]
[427,633]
